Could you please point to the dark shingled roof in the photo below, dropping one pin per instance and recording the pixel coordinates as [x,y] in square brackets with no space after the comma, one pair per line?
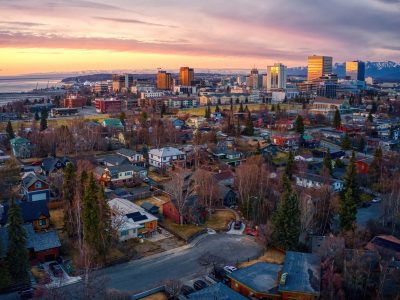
[114,160]
[30,211]
[49,164]
[218,291]
[303,273]
[38,241]
[260,277]
[136,216]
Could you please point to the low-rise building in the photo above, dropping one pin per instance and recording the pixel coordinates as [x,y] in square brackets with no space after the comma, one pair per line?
[122,175]
[162,157]
[131,220]
[21,147]
[34,188]
[108,105]
[309,180]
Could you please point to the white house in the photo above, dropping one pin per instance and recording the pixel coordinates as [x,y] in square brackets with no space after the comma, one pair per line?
[308,180]
[131,220]
[164,156]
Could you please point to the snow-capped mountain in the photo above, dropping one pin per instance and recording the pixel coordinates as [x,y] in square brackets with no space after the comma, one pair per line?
[386,70]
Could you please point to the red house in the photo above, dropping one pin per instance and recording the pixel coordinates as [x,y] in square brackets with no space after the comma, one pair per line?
[362,165]
[284,140]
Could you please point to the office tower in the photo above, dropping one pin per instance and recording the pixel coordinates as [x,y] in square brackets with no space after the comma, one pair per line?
[326,85]
[318,66]
[164,80]
[355,70]
[254,80]
[186,76]
[276,76]
[122,82]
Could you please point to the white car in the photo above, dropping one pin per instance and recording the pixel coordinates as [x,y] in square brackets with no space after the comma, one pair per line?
[376,200]
[229,269]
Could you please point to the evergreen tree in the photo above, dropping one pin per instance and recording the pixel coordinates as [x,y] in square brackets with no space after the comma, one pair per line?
[350,179]
[370,118]
[347,210]
[122,117]
[43,119]
[278,107]
[17,254]
[68,194]
[231,107]
[289,165]
[249,130]
[105,229]
[338,163]
[375,169]
[286,221]
[10,131]
[361,145]
[208,112]
[346,145]
[327,162]
[273,107]
[163,110]
[337,119]
[241,109]
[299,125]
[374,108]
[91,213]
[36,117]
[217,110]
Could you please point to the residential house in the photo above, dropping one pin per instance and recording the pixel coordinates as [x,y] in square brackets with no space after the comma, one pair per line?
[35,213]
[42,246]
[131,220]
[151,208]
[163,157]
[34,187]
[193,212]
[133,156]
[225,195]
[287,141]
[328,106]
[121,175]
[53,164]
[225,177]
[301,276]
[309,180]
[113,123]
[178,123]
[230,157]
[21,147]
[113,160]
[385,245]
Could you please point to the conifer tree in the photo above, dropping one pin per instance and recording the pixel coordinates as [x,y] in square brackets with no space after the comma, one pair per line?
[91,214]
[36,117]
[17,254]
[346,145]
[327,162]
[241,109]
[286,221]
[249,130]
[217,110]
[350,180]
[105,229]
[43,119]
[289,165]
[163,110]
[370,118]
[10,131]
[347,210]
[337,120]
[299,125]
[375,169]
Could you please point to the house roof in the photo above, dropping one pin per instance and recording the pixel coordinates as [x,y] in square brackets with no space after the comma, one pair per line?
[30,211]
[38,241]
[131,210]
[224,175]
[315,178]
[260,277]
[165,152]
[49,163]
[31,178]
[19,140]
[388,242]
[218,291]
[113,123]
[126,152]
[114,159]
[303,273]
[148,206]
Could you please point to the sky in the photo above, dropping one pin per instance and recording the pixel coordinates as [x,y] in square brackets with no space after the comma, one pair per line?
[39,36]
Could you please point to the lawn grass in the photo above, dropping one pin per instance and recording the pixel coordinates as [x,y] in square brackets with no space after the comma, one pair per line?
[272,256]
[57,218]
[220,220]
[157,177]
[156,296]
[183,231]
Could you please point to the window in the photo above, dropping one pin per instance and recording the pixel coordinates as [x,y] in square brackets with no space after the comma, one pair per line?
[42,222]
[38,185]
[124,232]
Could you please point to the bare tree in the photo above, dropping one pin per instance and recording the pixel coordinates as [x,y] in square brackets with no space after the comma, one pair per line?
[173,288]
[206,188]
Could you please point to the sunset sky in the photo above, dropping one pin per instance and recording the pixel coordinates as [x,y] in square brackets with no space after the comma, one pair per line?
[76,35]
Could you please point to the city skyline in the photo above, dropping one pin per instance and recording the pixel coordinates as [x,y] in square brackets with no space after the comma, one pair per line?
[68,36]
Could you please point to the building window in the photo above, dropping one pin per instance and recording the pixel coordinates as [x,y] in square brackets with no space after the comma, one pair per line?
[38,185]
[42,222]
[124,232]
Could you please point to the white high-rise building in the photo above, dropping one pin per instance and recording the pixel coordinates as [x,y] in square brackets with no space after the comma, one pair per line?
[276,76]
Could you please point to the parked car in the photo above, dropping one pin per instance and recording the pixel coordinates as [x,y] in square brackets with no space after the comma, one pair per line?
[56,269]
[146,179]
[229,269]
[187,290]
[376,200]
[199,285]
[237,225]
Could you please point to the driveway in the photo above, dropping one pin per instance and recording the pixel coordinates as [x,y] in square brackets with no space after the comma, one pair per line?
[180,263]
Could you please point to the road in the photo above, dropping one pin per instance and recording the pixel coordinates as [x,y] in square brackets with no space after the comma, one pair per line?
[180,263]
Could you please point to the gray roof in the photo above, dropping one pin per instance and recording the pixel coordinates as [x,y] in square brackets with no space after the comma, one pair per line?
[126,152]
[303,273]
[261,277]
[114,160]
[218,291]
[49,164]
[31,178]
[38,241]
[30,210]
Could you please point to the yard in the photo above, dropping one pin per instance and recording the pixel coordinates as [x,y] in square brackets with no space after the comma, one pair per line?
[155,200]
[217,221]
[57,218]
[157,177]
[272,255]
[156,296]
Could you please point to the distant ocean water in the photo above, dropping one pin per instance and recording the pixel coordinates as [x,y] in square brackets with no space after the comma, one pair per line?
[25,84]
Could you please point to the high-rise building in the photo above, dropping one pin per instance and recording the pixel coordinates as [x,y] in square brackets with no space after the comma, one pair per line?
[254,80]
[122,82]
[355,70]
[186,76]
[276,76]
[164,80]
[318,66]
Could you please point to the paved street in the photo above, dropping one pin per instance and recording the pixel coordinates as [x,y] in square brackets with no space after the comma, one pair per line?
[140,275]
